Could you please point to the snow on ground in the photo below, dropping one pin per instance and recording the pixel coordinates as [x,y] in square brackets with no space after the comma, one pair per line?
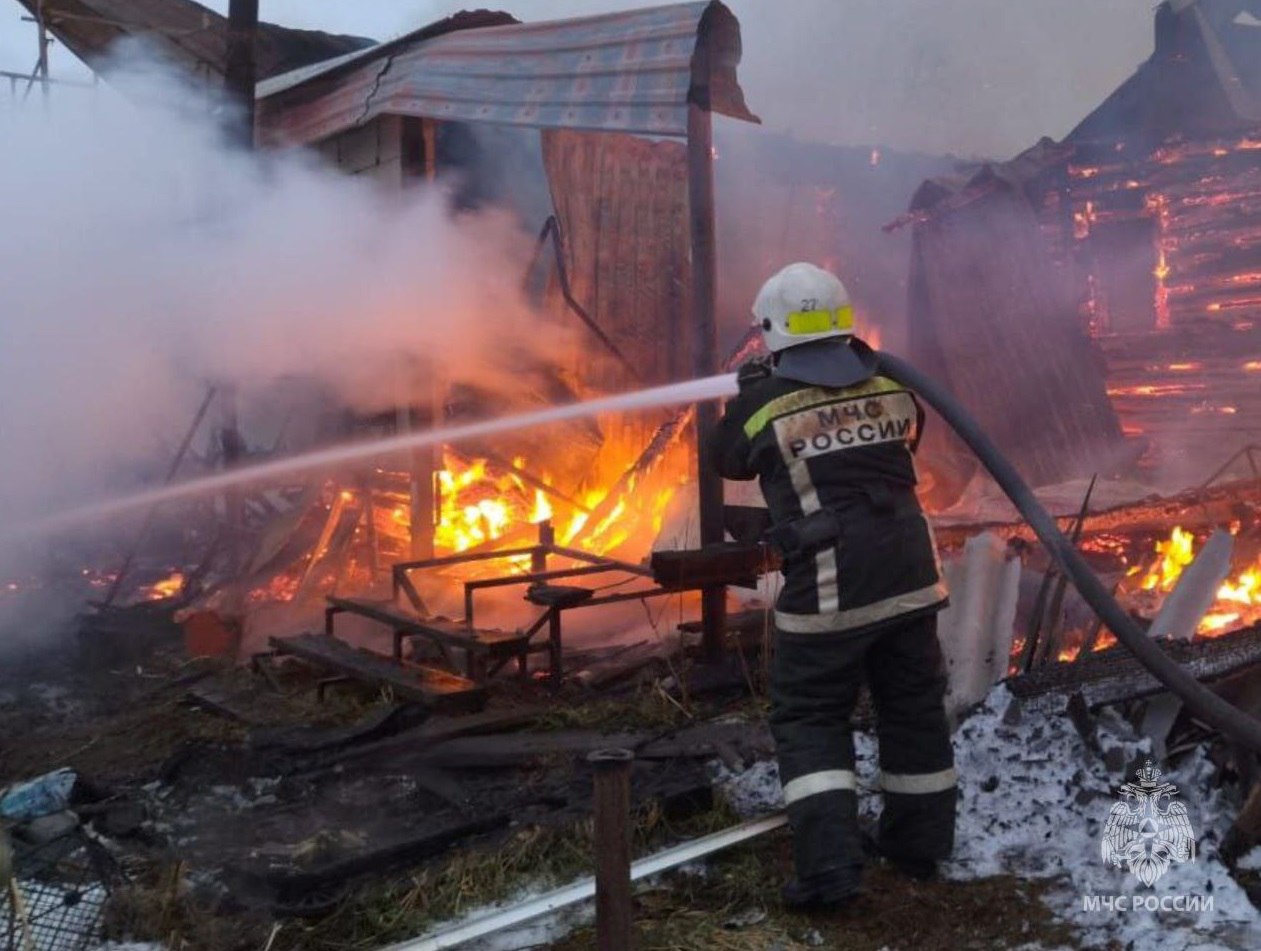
[1033,803]
[1251,862]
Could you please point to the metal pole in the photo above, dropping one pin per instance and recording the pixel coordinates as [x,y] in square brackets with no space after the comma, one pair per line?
[239,69]
[700,188]
[613,916]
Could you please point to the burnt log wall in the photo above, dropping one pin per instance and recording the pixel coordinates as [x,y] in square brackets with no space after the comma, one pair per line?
[1180,224]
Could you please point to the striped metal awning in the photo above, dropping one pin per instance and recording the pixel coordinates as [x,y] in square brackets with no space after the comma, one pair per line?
[634,71]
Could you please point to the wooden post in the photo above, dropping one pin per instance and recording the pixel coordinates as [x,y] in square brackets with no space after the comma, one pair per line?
[700,189]
[613,908]
[239,69]
[547,538]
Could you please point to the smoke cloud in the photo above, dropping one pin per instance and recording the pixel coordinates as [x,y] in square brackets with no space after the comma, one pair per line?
[142,260]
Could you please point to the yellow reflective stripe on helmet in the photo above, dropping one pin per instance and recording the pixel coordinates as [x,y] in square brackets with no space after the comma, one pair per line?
[815,396]
[800,322]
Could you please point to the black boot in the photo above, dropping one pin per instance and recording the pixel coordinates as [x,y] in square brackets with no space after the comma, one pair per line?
[829,890]
[918,869]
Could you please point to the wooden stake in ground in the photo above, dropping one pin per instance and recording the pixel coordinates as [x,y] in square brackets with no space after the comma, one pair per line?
[17,907]
[613,916]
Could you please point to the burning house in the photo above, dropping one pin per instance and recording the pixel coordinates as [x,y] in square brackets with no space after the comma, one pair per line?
[627,215]
[1095,303]
[599,141]
[1092,301]
[1133,246]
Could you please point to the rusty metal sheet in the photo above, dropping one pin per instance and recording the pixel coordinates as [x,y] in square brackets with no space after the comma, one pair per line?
[629,72]
[622,206]
[187,32]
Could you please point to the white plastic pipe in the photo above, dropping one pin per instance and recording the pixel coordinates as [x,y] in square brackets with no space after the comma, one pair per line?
[584,889]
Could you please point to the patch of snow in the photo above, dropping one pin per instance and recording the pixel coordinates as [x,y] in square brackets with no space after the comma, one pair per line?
[751,792]
[1033,803]
[1250,861]
[1034,800]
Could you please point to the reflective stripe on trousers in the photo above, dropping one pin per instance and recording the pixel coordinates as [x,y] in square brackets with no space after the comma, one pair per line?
[811,784]
[919,784]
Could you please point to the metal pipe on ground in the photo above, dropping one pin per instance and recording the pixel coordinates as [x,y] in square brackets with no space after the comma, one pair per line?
[584,889]
[613,909]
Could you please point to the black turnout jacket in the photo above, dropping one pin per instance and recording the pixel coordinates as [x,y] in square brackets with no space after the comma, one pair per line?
[851,451]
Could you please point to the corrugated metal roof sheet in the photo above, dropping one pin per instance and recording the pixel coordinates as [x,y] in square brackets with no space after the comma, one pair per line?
[187,32]
[625,72]
[464,20]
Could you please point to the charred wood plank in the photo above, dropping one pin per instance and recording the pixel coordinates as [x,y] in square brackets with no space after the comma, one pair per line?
[1114,675]
[375,725]
[214,698]
[519,749]
[437,729]
[289,887]
[426,685]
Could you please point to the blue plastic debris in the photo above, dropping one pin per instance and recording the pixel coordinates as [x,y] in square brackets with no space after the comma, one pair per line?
[49,793]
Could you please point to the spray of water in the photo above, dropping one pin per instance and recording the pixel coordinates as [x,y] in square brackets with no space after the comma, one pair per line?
[675,394]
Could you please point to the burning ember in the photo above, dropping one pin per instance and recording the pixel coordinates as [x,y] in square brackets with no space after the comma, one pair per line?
[167,587]
[1238,599]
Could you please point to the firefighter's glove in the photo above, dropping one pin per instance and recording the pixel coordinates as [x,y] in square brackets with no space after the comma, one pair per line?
[752,371]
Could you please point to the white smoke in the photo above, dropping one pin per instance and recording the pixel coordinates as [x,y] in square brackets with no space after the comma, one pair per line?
[142,260]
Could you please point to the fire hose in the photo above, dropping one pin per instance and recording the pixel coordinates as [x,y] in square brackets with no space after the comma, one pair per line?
[1199,699]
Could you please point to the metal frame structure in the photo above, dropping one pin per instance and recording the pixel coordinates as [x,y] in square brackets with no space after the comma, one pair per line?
[554,601]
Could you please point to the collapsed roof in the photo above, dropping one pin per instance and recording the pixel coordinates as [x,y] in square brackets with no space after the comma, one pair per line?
[192,35]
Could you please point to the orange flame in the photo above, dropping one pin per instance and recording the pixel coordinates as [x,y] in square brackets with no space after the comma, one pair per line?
[168,587]
[1238,599]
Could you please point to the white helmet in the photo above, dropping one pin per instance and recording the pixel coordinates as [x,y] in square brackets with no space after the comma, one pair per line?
[801,304]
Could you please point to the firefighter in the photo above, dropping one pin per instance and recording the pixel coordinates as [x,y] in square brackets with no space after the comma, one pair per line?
[832,443]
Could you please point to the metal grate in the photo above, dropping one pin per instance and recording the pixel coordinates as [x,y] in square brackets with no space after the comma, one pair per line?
[57,895]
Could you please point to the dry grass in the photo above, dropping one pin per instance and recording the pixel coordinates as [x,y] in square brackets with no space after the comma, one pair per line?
[735,906]
[533,858]
[141,722]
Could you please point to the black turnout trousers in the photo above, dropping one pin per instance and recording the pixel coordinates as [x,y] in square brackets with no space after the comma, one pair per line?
[815,681]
